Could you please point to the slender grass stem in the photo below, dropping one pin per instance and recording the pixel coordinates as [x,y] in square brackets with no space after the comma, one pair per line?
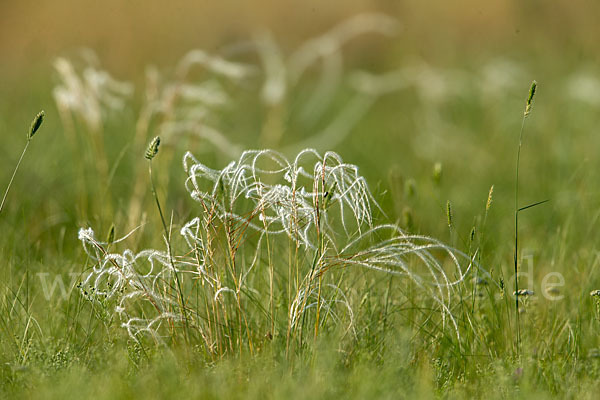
[517,233]
[35,125]
[150,153]
[517,209]
[12,178]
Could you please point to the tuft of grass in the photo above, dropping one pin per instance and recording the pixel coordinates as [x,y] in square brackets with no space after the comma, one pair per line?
[260,209]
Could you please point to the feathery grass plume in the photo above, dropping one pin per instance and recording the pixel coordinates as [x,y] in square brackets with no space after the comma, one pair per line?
[449,213]
[259,207]
[488,204]
[530,98]
[437,173]
[35,126]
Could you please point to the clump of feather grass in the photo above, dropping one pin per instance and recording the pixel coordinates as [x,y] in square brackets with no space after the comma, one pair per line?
[316,212]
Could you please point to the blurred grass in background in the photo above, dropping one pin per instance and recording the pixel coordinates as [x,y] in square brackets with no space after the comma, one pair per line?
[470,62]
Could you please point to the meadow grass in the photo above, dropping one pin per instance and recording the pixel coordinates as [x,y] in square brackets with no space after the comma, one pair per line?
[270,289]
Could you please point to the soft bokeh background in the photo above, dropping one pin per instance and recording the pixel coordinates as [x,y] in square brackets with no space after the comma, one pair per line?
[129,34]
[471,64]
[457,43]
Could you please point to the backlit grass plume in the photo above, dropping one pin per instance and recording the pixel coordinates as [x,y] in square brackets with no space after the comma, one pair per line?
[275,246]
[35,126]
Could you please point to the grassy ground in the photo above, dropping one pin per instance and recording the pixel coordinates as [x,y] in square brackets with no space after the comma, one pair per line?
[463,114]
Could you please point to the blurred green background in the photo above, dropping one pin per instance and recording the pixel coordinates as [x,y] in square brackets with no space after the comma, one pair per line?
[473,62]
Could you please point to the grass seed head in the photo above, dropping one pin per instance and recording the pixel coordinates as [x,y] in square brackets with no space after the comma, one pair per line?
[449,213]
[488,204]
[530,97]
[152,148]
[35,124]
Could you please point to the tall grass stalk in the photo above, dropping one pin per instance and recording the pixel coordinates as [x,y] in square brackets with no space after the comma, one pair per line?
[525,115]
[35,125]
[150,154]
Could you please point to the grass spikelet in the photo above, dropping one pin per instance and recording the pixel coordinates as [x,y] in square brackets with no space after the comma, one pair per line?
[152,148]
[530,98]
[35,124]
[488,204]
[449,213]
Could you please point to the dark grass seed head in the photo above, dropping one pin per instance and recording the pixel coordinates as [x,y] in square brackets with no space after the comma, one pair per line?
[35,124]
[152,148]
[530,97]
